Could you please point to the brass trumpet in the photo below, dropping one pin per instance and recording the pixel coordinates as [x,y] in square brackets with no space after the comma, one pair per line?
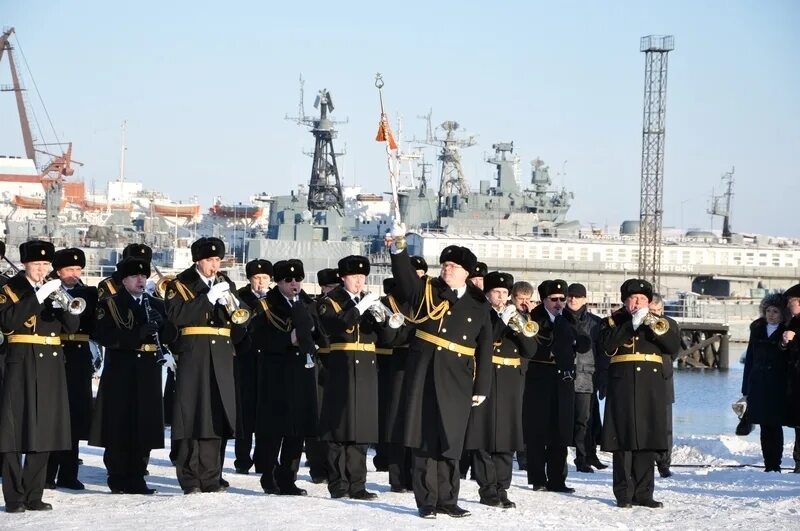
[162,281]
[382,313]
[74,305]
[237,315]
[657,324]
[522,324]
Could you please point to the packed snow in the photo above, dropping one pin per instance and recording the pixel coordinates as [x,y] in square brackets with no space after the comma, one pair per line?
[723,487]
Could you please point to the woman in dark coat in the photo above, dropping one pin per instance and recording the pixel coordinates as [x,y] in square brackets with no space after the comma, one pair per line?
[764,379]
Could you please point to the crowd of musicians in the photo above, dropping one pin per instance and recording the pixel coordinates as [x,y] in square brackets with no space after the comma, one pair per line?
[445,376]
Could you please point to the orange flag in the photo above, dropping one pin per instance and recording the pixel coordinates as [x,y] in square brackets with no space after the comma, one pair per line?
[385,132]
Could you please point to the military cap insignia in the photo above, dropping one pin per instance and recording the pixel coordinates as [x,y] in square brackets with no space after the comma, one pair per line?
[44,252]
[3,299]
[74,256]
[292,268]
[171,294]
[141,266]
[641,285]
[360,265]
[213,247]
[558,286]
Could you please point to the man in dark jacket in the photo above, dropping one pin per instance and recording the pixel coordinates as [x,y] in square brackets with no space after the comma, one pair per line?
[128,418]
[494,431]
[448,371]
[635,420]
[349,411]
[62,467]
[586,403]
[111,285]
[286,409]
[199,302]
[246,370]
[664,459]
[34,410]
[549,400]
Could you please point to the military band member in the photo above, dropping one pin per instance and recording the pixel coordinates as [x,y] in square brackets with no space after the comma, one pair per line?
[316,449]
[111,285]
[548,408]
[448,371]
[392,358]
[259,276]
[349,410]
[128,419]
[635,423]
[287,397]
[587,373]
[3,281]
[495,429]
[34,412]
[205,402]
[62,467]
[477,273]
[664,458]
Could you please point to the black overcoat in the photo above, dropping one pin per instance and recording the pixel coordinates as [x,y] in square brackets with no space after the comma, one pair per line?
[34,413]
[205,395]
[439,382]
[79,365]
[637,397]
[496,426]
[765,378]
[128,412]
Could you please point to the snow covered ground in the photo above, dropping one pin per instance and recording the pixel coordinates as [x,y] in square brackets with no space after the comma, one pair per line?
[719,493]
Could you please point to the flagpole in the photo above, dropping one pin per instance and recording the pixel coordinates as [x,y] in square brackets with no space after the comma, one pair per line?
[385,133]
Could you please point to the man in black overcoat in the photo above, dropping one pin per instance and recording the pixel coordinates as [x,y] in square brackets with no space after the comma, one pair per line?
[62,467]
[494,432]
[34,410]
[259,276]
[448,371]
[128,418]
[202,304]
[635,420]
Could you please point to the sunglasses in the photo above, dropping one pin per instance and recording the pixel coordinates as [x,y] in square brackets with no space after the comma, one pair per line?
[293,279]
[557,299]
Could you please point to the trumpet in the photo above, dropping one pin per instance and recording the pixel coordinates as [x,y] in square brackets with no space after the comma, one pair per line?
[237,315]
[382,313]
[657,324]
[162,281]
[522,324]
[74,305]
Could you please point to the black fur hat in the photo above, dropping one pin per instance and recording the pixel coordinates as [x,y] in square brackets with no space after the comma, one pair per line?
[417,262]
[133,266]
[461,256]
[632,286]
[552,287]
[497,279]
[138,250]
[69,257]
[258,267]
[36,251]
[327,277]
[206,248]
[353,265]
[289,269]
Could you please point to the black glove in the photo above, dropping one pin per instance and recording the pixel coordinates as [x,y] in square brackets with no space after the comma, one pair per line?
[147,330]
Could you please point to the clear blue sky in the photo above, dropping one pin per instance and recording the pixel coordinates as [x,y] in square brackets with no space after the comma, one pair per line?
[205,87]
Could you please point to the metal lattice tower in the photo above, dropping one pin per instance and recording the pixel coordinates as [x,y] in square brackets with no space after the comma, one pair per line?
[325,186]
[656,49]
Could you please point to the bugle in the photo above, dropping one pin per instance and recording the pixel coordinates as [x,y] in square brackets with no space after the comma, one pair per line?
[522,324]
[657,324]
[237,314]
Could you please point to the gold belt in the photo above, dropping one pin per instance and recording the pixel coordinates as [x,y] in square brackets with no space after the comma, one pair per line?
[366,347]
[384,351]
[621,358]
[449,345]
[148,347]
[74,337]
[511,362]
[546,362]
[324,350]
[205,331]
[34,340]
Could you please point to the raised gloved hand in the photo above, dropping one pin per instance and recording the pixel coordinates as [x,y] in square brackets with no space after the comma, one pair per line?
[508,313]
[368,300]
[217,292]
[477,400]
[47,289]
[638,316]
[396,237]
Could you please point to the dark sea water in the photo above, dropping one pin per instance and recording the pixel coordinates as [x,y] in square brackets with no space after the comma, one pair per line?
[703,401]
